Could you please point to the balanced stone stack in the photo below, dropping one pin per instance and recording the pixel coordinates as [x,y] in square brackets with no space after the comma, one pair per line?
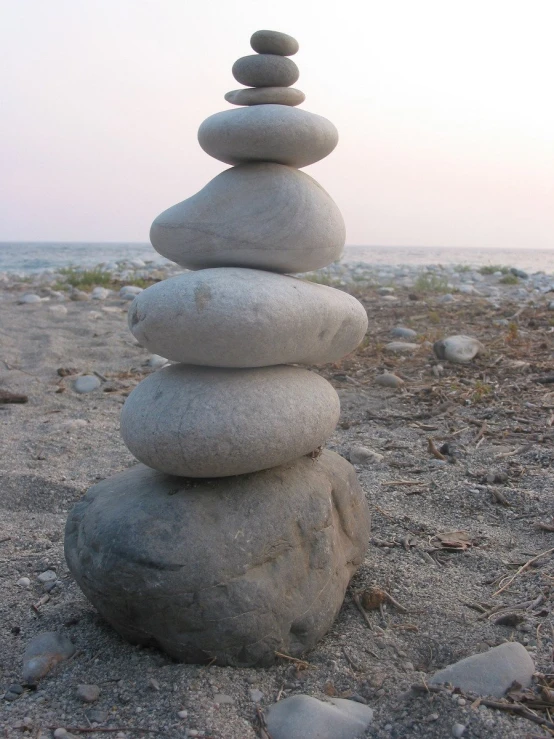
[237,536]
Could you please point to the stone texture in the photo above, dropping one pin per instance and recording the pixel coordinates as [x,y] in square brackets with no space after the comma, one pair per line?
[226,223]
[252,319]
[86,384]
[212,422]
[265,70]
[274,42]
[304,717]
[268,133]
[43,653]
[232,569]
[459,349]
[266,96]
[490,673]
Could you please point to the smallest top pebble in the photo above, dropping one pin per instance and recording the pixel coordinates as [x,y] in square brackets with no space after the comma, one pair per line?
[274,42]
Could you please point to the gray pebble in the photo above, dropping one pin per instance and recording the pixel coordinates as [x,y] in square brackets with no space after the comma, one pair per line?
[129,292]
[48,576]
[86,384]
[389,379]
[266,96]
[265,70]
[222,699]
[29,298]
[401,347]
[458,730]
[44,652]
[79,295]
[156,361]
[88,693]
[447,298]
[100,293]
[400,332]
[23,582]
[255,695]
[274,42]
[309,718]
[363,455]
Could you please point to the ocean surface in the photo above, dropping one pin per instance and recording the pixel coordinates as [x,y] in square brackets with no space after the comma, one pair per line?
[28,257]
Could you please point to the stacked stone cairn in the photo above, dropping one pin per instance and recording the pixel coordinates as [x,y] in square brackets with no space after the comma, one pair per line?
[237,536]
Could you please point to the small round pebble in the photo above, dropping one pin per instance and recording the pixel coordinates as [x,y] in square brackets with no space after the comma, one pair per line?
[86,384]
[458,730]
[88,693]
[23,582]
[60,733]
[183,714]
[274,42]
[30,298]
[265,70]
[48,576]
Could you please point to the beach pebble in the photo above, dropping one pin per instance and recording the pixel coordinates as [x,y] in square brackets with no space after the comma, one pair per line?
[265,70]
[459,349]
[302,716]
[268,133]
[86,384]
[59,311]
[60,733]
[222,699]
[129,292]
[401,347]
[458,730]
[399,332]
[446,298]
[44,652]
[519,273]
[213,422]
[363,455]
[257,546]
[274,42]
[47,576]
[255,695]
[266,96]
[100,293]
[79,295]
[183,714]
[253,319]
[13,692]
[156,361]
[383,291]
[88,693]
[220,226]
[29,298]
[23,582]
[389,379]
[551,305]
[491,672]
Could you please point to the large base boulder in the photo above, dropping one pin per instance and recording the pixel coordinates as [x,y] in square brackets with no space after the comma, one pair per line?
[230,569]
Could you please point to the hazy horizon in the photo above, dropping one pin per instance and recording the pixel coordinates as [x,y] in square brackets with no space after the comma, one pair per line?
[446,124]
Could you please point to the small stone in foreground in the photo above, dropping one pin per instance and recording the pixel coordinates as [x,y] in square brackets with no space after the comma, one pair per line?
[44,652]
[400,332]
[389,379]
[458,730]
[86,384]
[459,349]
[304,717]
[363,455]
[88,693]
[490,673]
[401,347]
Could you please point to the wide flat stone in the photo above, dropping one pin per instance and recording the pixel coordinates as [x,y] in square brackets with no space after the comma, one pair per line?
[233,569]
[268,133]
[304,717]
[265,70]
[265,216]
[212,422]
[274,42]
[491,672]
[44,652]
[235,317]
[266,96]
[459,349]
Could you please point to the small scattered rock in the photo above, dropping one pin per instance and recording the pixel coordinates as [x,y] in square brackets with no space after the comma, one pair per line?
[385,291]
[337,719]
[29,298]
[58,310]
[13,692]
[100,293]
[48,576]
[458,730]
[79,295]
[519,273]
[459,349]
[446,298]
[60,733]
[86,384]
[255,695]
[221,699]
[182,714]
[389,379]
[23,582]
[400,332]
[363,455]
[401,347]
[44,652]
[88,693]
[129,292]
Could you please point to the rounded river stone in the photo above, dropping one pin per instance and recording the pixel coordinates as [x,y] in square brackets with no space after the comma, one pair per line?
[213,422]
[259,215]
[230,570]
[266,96]
[234,317]
[274,42]
[265,70]
[268,133]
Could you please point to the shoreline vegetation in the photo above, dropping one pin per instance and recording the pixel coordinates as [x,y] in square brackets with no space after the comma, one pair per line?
[456,460]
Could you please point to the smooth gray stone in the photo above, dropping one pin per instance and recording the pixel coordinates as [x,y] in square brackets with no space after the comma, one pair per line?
[490,673]
[400,332]
[459,349]
[259,215]
[233,569]
[268,133]
[304,717]
[274,42]
[265,70]
[213,422]
[42,654]
[86,384]
[266,96]
[401,347]
[235,317]
[29,298]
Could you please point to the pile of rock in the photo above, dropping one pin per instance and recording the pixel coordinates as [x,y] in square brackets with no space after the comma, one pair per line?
[239,537]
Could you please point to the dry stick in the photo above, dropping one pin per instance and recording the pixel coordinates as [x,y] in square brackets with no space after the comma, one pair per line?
[433,449]
[106,730]
[403,482]
[292,659]
[481,432]
[522,569]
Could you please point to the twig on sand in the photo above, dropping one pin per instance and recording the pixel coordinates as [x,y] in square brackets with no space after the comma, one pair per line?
[296,661]
[433,449]
[104,730]
[522,569]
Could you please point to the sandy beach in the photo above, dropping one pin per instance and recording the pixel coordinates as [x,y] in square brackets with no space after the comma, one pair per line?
[459,483]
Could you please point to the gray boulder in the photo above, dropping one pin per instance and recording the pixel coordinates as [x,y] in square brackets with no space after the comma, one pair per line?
[268,133]
[213,422]
[266,96]
[252,319]
[304,717]
[233,569]
[265,70]
[491,672]
[226,223]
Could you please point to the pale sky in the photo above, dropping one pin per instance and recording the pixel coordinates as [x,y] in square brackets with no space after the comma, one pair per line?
[444,108]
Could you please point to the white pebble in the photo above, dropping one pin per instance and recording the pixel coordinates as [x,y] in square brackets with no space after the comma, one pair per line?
[23,582]
[60,733]
[458,730]
[183,714]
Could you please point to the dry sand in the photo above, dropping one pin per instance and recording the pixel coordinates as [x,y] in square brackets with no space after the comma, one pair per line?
[494,414]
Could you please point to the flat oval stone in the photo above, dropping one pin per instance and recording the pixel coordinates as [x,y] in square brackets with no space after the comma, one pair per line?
[266,96]
[233,569]
[233,317]
[259,215]
[274,42]
[265,70]
[212,422]
[268,133]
